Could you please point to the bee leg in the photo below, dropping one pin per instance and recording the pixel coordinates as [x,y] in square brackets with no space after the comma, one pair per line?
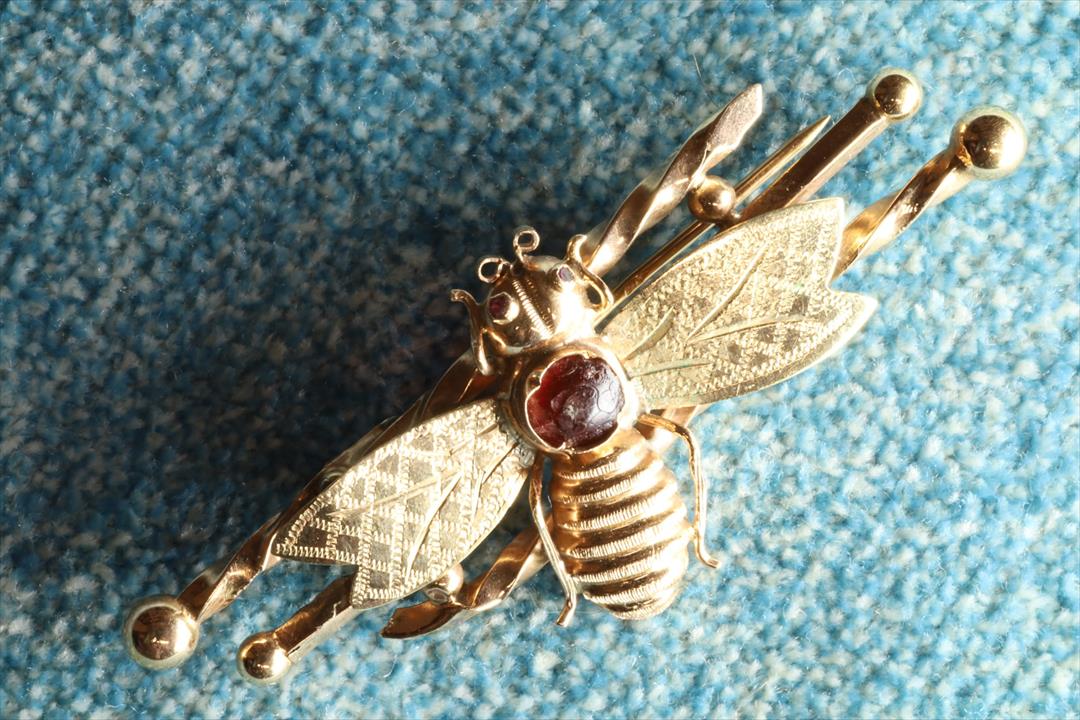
[536,493]
[266,657]
[701,486]
[518,562]
[477,331]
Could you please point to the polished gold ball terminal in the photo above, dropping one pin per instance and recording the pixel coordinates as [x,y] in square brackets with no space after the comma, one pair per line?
[897,93]
[712,200]
[991,141]
[160,633]
[262,660]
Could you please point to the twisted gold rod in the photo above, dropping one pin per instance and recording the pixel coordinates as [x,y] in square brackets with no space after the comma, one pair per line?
[986,144]
[760,175]
[663,191]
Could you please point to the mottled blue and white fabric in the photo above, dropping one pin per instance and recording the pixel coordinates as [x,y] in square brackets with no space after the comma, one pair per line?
[227,233]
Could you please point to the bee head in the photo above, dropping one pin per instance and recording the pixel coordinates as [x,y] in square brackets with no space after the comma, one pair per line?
[536,299]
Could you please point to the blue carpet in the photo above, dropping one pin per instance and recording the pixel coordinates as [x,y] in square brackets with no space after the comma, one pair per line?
[227,233]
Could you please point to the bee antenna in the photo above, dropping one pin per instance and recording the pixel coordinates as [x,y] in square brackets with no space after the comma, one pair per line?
[574,249]
[574,257]
[526,240]
[491,268]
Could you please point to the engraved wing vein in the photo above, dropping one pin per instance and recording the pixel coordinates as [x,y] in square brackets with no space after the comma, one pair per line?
[748,309]
[412,508]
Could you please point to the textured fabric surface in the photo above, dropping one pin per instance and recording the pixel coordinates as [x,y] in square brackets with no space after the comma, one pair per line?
[227,233]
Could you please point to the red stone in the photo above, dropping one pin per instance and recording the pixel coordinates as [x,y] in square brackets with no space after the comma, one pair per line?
[577,404]
[499,306]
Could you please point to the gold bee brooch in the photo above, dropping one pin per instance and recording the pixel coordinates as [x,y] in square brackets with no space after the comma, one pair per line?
[590,384]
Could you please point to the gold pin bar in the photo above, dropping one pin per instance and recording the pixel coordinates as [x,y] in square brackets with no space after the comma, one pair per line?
[266,657]
[891,97]
[745,189]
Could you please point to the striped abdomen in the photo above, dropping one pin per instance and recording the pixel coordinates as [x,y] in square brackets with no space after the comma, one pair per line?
[621,528]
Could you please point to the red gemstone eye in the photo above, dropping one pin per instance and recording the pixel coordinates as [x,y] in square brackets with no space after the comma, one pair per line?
[564,273]
[499,306]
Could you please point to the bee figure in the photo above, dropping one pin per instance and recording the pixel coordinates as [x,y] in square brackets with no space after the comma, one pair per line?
[595,382]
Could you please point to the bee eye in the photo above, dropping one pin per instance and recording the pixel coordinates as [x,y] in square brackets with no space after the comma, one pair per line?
[502,308]
[564,274]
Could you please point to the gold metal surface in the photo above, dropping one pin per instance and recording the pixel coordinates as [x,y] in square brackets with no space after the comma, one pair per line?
[745,311]
[517,562]
[987,143]
[701,485]
[760,175]
[712,200]
[266,657]
[620,527]
[748,307]
[663,191]
[216,587]
[891,97]
[410,510]
[551,550]
[160,632]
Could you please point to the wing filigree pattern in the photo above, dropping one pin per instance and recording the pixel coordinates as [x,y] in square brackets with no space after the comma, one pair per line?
[746,310]
[411,509]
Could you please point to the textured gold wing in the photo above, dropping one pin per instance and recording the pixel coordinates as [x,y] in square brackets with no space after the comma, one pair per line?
[412,508]
[748,309]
